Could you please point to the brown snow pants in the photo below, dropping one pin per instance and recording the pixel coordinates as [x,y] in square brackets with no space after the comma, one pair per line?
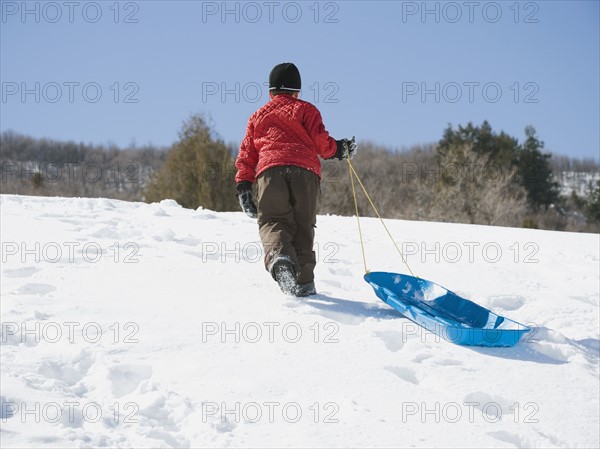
[287,215]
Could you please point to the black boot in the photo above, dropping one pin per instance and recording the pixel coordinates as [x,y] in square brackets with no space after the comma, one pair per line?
[284,272]
[307,289]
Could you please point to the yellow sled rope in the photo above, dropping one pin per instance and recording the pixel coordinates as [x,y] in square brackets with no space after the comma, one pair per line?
[353,174]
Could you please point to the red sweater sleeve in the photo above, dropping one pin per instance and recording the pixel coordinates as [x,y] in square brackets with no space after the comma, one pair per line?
[247,158]
[326,146]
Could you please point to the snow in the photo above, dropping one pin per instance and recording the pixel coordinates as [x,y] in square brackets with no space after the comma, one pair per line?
[149,325]
[582,183]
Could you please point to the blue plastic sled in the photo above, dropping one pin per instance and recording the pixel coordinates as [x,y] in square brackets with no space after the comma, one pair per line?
[443,312]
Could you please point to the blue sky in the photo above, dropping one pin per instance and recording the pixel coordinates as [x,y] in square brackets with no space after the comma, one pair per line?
[392,72]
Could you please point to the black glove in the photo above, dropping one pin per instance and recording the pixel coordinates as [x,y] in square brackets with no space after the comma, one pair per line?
[346,149]
[244,194]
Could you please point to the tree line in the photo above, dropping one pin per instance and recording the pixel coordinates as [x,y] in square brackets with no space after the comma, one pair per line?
[473,174]
[46,167]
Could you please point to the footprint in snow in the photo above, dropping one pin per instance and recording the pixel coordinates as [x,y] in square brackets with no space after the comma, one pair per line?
[227,426]
[341,272]
[448,362]
[494,406]
[592,299]
[206,217]
[510,438]
[201,255]
[334,284]
[189,241]
[20,272]
[126,378]
[555,347]
[71,221]
[166,235]
[36,289]
[404,373]
[40,315]
[105,232]
[163,414]
[393,339]
[423,356]
[507,302]
[7,409]
[68,371]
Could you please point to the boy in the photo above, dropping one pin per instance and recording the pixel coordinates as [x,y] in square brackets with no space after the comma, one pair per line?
[280,153]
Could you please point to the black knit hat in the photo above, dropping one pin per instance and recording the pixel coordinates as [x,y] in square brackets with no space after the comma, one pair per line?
[285,76]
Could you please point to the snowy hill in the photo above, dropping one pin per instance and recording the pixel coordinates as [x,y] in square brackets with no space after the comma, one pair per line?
[136,325]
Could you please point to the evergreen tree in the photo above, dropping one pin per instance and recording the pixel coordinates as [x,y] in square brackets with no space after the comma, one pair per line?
[500,148]
[593,205]
[535,173]
[199,170]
